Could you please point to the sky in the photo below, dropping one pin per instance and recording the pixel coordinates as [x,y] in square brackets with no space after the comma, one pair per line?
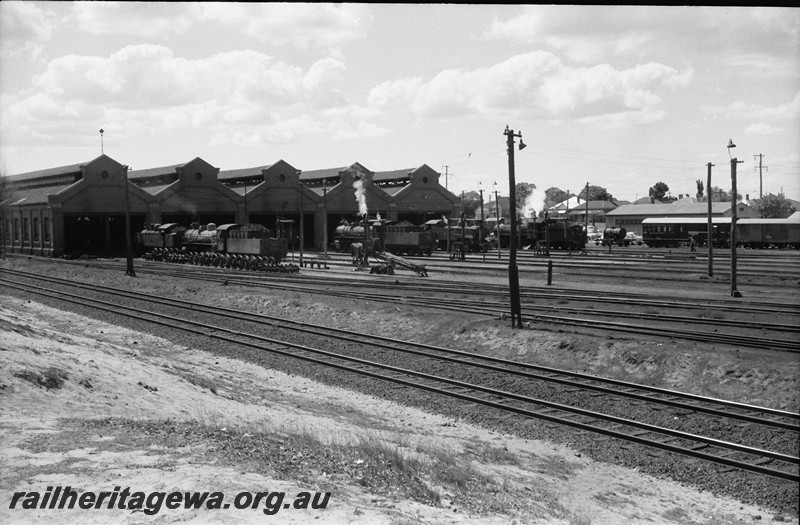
[621,97]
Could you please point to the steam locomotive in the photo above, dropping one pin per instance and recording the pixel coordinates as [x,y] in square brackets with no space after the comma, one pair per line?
[246,247]
[556,234]
[396,238]
[466,233]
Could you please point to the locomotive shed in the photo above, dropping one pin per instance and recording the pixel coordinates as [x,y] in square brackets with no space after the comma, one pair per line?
[758,377]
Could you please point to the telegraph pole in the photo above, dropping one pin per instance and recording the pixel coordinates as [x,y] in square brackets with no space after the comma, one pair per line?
[129,271]
[300,186]
[497,212]
[480,230]
[760,179]
[586,220]
[513,271]
[734,161]
[324,223]
[710,225]
[445,177]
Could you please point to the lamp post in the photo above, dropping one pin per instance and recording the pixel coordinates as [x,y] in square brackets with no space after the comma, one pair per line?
[324,223]
[300,187]
[586,218]
[513,271]
[734,161]
[710,225]
[480,230]
[129,271]
[246,221]
[497,214]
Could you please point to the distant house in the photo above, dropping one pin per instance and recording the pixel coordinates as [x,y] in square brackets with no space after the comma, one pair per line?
[630,216]
[576,210]
[494,209]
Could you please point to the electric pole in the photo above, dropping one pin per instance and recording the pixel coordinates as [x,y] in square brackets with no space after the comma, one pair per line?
[734,204]
[445,176]
[710,226]
[586,219]
[497,213]
[760,179]
[513,271]
[480,230]
[129,270]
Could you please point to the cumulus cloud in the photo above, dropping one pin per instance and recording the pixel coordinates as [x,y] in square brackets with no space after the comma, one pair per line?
[144,19]
[583,33]
[341,129]
[787,111]
[762,129]
[147,86]
[536,82]
[300,25]
[25,27]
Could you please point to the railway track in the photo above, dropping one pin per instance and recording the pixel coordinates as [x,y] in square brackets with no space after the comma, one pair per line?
[746,457]
[493,299]
[651,268]
[696,326]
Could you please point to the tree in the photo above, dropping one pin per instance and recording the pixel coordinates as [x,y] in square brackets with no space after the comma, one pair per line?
[717,194]
[596,193]
[700,187]
[523,190]
[555,195]
[470,202]
[774,206]
[659,191]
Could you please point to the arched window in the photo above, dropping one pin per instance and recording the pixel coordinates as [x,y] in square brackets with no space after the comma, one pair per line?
[36,229]
[47,229]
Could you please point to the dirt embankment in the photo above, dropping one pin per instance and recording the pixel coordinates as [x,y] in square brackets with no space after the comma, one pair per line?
[94,406]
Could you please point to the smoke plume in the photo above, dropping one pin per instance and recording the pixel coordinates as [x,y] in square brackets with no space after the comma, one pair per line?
[534,204]
[361,197]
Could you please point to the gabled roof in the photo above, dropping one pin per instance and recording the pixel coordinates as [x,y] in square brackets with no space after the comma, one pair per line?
[575,203]
[380,176]
[50,172]
[673,208]
[327,173]
[154,172]
[35,195]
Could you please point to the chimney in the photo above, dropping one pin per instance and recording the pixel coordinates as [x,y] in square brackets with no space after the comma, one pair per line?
[747,197]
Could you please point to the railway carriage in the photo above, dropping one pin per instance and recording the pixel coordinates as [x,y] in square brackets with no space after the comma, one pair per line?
[672,232]
[769,233]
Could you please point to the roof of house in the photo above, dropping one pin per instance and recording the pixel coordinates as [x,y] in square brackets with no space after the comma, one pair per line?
[680,207]
[575,202]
